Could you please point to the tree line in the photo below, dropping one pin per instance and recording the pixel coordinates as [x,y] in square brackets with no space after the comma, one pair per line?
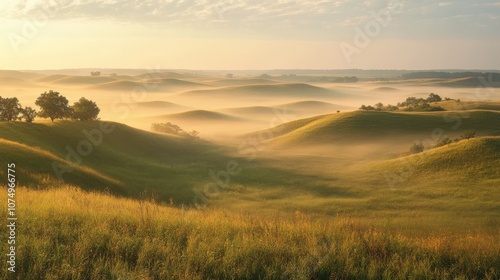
[52,105]
[411,104]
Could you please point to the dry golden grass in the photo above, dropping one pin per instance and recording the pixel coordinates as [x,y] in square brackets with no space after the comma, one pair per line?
[66,233]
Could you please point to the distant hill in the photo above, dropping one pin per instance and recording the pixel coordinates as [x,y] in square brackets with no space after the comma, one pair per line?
[262,91]
[318,107]
[234,81]
[161,105]
[83,80]
[200,116]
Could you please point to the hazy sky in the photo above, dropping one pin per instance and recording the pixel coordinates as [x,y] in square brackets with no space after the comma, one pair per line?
[257,34]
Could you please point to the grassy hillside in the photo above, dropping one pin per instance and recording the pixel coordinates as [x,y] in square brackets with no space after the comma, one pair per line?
[363,126]
[128,161]
[470,105]
[95,236]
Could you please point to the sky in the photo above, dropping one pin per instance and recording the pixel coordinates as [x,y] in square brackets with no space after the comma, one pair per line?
[253,34]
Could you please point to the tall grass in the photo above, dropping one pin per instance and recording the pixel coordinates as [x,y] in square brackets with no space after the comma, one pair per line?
[66,233]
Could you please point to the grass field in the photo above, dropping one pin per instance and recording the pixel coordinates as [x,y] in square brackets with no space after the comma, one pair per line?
[65,233]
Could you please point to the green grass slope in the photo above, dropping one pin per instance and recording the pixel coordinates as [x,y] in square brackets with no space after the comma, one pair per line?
[470,105]
[469,161]
[362,126]
[127,161]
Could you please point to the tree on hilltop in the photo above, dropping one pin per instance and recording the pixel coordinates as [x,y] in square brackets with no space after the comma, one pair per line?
[9,109]
[28,114]
[468,134]
[53,106]
[85,110]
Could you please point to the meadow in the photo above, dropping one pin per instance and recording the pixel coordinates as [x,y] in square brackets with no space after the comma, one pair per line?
[66,233]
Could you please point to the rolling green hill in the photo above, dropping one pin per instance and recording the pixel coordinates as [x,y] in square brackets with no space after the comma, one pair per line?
[363,126]
[126,161]
[470,105]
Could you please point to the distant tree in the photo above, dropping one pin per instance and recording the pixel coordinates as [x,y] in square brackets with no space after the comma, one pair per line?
[53,106]
[468,134]
[95,73]
[379,106]
[363,107]
[417,148]
[443,141]
[229,76]
[9,109]
[168,128]
[370,108]
[391,108]
[28,114]
[434,98]
[85,110]
[338,111]
[194,134]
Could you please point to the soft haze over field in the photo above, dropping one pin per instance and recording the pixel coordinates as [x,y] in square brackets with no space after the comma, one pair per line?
[231,34]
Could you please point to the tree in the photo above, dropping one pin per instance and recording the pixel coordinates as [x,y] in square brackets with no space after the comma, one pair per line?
[53,106]
[468,134]
[379,106]
[9,109]
[28,114]
[170,128]
[417,148]
[443,141]
[391,108]
[85,110]
[434,98]
[363,107]
[95,74]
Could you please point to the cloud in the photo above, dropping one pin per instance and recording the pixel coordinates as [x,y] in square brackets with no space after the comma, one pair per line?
[167,10]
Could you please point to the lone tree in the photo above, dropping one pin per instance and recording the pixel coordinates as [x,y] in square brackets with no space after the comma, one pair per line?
[53,105]
[9,109]
[28,114]
[85,110]
[468,134]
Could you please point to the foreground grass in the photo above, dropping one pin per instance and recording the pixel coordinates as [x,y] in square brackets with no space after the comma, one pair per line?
[66,233]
